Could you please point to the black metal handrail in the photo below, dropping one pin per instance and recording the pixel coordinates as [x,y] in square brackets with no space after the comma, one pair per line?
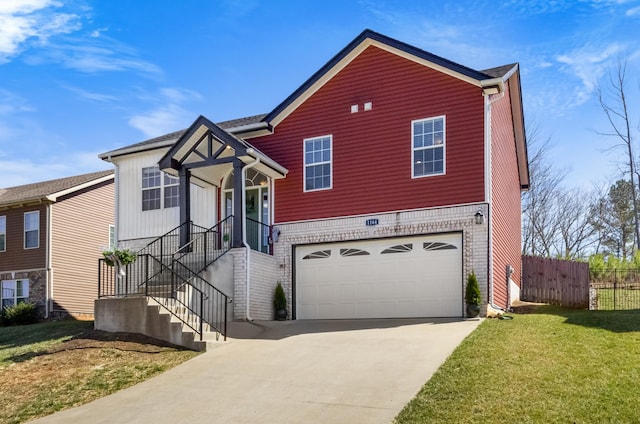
[259,236]
[168,272]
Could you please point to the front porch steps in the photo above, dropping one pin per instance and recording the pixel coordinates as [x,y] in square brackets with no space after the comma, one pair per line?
[144,315]
[178,332]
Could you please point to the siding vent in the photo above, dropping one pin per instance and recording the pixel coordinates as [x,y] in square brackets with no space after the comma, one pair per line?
[354,108]
[368,106]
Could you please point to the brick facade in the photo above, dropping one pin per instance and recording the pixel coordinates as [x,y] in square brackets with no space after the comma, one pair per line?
[37,285]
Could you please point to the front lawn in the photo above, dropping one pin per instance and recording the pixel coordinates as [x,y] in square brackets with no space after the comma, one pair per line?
[52,366]
[552,365]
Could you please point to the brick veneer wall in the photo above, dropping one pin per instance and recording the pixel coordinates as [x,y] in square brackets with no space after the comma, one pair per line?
[394,224]
[37,285]
[264,276]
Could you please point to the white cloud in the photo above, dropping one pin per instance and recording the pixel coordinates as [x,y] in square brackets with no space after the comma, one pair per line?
[634,11]
[89,95]
[24,20]
[588,64]
[169,115]
[25,6]
[180,95]
[97,54]
[12,103]
[98,32]
[32,24]
[21,171]
[162,120]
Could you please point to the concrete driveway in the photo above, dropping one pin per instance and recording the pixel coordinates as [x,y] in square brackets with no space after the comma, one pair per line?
[347,371]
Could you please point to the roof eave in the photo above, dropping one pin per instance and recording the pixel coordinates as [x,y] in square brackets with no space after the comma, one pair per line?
[54,196]
[108,156]
[351,51]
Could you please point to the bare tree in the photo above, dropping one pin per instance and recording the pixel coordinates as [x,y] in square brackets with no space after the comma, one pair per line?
[575,231]
[614,104]
[556,221]
[539,226]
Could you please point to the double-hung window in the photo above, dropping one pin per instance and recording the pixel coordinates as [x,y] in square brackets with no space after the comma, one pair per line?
[3,233]
[159,189]
[317,163]
[171,190]
[428,147]
[14,292]
[31,230]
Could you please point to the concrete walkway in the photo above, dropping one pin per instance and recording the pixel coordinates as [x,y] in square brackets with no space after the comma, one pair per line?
[347,371]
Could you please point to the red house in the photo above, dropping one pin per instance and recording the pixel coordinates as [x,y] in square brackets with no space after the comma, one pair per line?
[373,190]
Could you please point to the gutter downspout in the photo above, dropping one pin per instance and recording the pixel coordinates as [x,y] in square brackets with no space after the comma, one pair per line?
[49,285]
[244,235]
[116,181]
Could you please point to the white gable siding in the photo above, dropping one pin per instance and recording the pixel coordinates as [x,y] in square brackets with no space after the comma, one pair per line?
[133,223]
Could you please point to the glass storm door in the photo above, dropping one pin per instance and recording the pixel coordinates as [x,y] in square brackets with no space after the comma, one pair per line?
[256,216]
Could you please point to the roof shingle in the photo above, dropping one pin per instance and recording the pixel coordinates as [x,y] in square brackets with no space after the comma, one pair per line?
[40,190]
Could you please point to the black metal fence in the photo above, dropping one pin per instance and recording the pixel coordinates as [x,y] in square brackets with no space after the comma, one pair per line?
[615,289]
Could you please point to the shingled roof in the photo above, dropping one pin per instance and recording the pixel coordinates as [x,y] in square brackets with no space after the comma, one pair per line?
[171,138]
[499,71]
[49,190]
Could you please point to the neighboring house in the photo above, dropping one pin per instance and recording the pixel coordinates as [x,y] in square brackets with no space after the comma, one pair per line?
[51,235]
[371,191]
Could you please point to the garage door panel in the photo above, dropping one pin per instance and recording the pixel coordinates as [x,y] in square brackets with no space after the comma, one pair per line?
[402,277]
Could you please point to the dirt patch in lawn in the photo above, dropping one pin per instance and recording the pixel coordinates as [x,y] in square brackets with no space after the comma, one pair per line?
[80,369]
[521,307]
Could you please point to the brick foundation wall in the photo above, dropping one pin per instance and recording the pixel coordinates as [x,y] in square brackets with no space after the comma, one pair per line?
[37,285]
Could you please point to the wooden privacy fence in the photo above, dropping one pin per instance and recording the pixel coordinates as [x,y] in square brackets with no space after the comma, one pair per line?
[554,281]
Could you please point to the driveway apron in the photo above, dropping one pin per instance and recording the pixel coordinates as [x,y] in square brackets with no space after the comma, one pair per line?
[329,371]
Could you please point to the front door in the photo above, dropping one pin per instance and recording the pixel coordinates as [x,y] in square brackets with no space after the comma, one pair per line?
[256,216]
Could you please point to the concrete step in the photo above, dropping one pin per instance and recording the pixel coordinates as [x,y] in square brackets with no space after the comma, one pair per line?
[180,333]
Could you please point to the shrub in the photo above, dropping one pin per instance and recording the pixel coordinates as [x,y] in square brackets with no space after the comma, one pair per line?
[279,298]
[472,292]
[20,314]
[125,256]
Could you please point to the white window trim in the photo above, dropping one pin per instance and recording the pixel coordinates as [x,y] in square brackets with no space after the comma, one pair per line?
[162,188]
[304,163]
[24,232]
[175,182]
[14,290]
[3,232]
[444,147]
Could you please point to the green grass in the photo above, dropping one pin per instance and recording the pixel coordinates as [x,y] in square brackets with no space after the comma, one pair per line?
[551,366]
[27,339]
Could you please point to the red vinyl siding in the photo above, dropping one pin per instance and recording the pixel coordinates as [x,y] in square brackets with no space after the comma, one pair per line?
[372,149]
[506,200]
[16,257]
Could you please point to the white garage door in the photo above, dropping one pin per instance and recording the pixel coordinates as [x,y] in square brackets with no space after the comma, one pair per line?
[383,278]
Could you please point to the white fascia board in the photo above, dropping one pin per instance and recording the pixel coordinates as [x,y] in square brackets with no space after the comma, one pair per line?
[54,196]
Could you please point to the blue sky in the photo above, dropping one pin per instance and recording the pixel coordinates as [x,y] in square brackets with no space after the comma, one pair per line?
[81,77]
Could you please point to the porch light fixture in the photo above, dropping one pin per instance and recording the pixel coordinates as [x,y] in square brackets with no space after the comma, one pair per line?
[479,217]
